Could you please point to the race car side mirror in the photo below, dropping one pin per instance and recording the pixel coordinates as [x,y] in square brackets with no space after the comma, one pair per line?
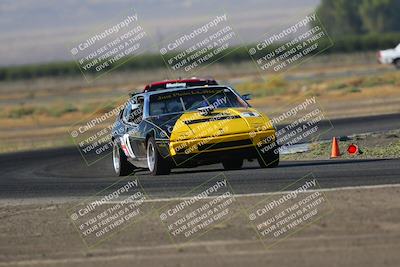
[247,97]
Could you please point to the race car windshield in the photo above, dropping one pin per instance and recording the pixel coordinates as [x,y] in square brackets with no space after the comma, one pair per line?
[192,99]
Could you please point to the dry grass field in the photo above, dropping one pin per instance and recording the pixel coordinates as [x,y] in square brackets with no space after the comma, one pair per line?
[38,113]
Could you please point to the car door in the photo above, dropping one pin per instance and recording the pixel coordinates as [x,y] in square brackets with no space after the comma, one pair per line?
[131,121]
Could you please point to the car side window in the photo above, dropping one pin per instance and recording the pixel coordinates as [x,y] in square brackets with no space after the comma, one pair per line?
[133,112]
[136,115]
[126,112]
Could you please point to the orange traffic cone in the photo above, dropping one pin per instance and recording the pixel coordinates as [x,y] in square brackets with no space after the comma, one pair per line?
[335,153]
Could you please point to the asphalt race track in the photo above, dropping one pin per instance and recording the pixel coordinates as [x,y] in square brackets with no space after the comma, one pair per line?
[63,173]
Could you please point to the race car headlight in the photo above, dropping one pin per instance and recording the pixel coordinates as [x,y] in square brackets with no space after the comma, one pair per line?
[249,114]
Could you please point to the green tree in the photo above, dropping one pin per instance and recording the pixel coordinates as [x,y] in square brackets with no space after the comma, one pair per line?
[341,16]
[345,17]
[380,15]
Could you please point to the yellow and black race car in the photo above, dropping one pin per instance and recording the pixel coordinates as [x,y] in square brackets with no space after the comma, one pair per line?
[187,123]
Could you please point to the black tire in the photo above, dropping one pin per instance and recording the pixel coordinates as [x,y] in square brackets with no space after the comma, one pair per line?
[270,159]
[155,162]
[122,166]
[233,164]
[396,63]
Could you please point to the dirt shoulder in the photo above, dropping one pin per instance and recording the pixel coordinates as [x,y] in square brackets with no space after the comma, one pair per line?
[362,230]
[370,145]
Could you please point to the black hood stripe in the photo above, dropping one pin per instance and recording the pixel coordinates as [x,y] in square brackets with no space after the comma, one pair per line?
[216,118]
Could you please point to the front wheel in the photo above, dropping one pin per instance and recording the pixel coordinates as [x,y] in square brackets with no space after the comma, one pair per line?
[155,162]
[121,165]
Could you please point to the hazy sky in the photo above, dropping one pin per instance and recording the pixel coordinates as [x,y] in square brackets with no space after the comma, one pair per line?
[44,30]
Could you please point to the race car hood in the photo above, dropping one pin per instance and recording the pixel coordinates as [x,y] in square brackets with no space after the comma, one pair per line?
[226,121]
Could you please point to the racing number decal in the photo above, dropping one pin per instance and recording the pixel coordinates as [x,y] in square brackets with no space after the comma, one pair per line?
[126,146]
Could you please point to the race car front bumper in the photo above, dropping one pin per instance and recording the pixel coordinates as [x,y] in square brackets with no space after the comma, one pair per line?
[222,143]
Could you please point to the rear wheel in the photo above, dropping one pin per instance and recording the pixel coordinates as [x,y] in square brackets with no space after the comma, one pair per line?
[155,162]
[121,165]
[269,159]
[397,63]
[233,164]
